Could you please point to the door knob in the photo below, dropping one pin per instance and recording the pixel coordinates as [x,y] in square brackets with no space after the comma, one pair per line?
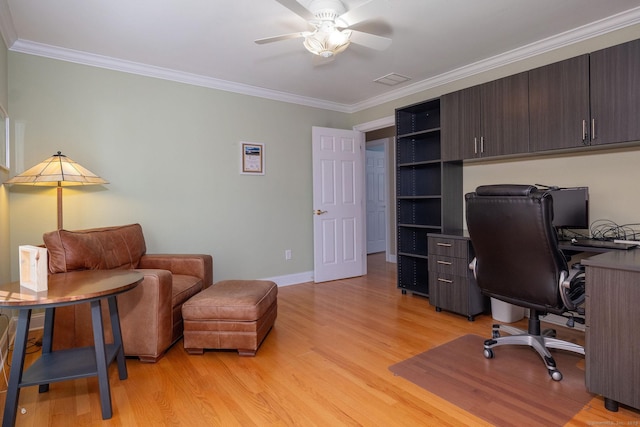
[319,212]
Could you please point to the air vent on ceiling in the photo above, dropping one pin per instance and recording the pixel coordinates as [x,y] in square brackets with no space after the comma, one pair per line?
[392,79]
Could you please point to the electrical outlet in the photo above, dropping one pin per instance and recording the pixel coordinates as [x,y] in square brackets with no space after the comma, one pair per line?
[287,254]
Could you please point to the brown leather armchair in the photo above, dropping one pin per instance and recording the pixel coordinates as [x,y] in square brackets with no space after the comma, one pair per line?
[151,313]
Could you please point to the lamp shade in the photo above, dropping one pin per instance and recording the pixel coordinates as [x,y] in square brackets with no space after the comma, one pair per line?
[57,170]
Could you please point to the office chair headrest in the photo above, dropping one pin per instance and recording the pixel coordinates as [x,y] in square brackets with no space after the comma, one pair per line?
[506,190]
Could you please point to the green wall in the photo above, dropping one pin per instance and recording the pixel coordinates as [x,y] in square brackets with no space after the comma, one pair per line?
[171,154]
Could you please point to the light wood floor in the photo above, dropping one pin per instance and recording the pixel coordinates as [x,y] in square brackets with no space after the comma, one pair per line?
[325,363]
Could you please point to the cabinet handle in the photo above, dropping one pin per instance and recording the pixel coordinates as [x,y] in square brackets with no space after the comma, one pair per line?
[481,144]
[443,262]
[593,129]
[446,245]
[475,145]
[584,131]
[444,280]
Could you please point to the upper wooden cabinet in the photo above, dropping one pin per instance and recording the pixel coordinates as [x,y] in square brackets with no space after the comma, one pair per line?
[591,99]
[461,122]
[491,119]
[505,115]
[559,105]
[588,100]
[615,94]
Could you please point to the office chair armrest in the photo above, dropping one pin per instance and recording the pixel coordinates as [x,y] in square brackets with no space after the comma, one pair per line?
[472,267]
[572,288]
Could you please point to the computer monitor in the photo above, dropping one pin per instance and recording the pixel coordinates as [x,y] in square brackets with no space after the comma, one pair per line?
[571,208]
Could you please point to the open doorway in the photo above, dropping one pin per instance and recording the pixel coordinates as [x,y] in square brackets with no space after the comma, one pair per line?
[377,195]
[380,142]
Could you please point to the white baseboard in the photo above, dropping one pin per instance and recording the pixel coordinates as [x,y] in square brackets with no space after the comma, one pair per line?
[37,321]
[307,276]
[292,279]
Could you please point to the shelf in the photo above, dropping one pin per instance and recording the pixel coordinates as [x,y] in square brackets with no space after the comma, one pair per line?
[412,255]
[421,163]
[419,133]
[419,147]
[418,118]
[428,191]
[413,241]
[418,197]
[423,180]
[434,228]
[65,365]
[426,212]
[413,274]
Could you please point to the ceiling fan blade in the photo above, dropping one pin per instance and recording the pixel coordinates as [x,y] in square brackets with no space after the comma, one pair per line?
[370,40]
[297,8]
[281,37]
[355,14]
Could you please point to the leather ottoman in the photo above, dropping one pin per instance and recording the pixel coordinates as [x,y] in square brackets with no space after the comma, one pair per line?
[231,314]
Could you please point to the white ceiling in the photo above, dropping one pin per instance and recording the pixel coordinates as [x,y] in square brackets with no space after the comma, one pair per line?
[211,42]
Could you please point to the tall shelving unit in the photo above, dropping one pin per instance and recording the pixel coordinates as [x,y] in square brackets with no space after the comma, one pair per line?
[428,194]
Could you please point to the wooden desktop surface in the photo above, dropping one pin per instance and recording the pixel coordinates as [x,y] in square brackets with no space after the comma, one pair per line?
[628,260]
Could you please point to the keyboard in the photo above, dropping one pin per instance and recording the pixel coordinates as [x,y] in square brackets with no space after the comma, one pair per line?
[605,244]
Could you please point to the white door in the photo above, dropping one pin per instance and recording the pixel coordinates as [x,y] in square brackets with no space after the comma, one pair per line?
[376,201]
[338,204]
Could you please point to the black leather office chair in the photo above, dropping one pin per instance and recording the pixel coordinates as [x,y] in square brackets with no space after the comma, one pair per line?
[517,260]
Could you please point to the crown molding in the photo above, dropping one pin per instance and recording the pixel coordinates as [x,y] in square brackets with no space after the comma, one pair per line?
[606,25]
[84,58]
[376,124]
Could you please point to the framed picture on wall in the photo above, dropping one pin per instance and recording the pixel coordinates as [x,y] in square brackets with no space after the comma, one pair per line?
[4,139]
[252,158]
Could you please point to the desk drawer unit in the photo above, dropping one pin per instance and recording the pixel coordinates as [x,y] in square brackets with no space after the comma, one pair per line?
[452,286]
[612,343]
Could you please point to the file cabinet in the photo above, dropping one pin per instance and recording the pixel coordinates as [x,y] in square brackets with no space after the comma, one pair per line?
[452,285]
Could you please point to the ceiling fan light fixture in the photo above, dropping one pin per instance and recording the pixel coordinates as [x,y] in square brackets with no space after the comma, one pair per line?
[327,44]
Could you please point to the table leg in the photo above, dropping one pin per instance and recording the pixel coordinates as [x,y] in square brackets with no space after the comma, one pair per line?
[47,339]
[17,366]
[101,359]
[117,337]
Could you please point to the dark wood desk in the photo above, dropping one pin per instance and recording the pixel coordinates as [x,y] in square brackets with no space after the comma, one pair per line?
[67,289]
[612,342]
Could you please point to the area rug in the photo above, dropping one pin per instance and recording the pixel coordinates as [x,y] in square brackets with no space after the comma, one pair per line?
[513,388]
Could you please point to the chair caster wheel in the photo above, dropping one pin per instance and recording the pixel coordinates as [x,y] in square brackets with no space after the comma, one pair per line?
[555,375]
[488,353]
[495,334]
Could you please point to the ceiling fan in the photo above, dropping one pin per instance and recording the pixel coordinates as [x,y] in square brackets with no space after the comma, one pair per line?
[330,32]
